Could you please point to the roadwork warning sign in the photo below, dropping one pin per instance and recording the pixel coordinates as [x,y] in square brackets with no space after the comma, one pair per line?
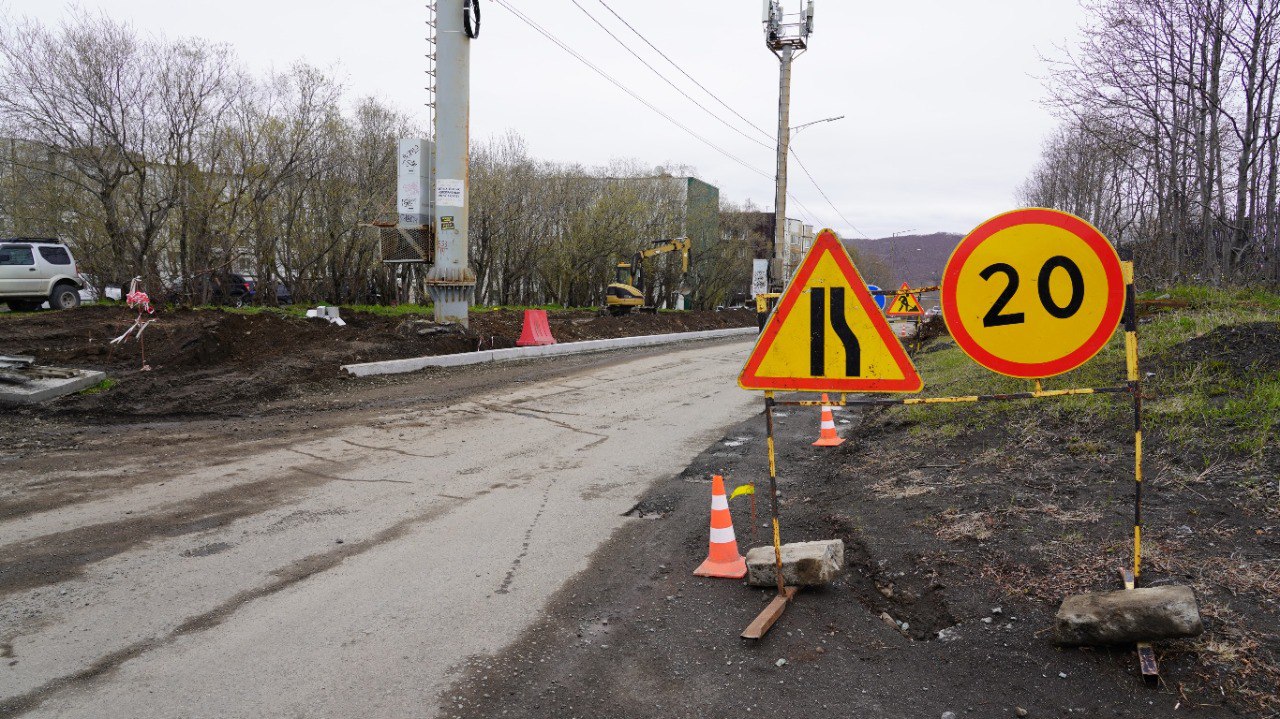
[827,335]
[905,305]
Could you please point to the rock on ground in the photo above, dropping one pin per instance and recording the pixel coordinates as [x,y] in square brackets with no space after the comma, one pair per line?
[804,564]
[1128,616]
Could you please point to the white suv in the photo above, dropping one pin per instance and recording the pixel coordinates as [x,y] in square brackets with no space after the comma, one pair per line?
[34,271]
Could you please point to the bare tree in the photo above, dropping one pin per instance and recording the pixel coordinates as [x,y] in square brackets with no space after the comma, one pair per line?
[1171,104]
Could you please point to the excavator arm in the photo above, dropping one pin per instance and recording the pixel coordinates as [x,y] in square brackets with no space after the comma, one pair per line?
[680,244]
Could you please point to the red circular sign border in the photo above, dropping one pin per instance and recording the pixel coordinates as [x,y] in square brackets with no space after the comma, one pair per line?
[1040,216]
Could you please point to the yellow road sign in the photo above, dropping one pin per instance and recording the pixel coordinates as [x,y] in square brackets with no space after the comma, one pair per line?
[827,335]
[905,305]
[1033,293]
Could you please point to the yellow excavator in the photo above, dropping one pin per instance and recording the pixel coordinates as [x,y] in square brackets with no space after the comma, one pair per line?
[627,291]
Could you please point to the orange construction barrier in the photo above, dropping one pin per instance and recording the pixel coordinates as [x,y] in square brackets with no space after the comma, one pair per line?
[828,436]
[723,559]
[536,330]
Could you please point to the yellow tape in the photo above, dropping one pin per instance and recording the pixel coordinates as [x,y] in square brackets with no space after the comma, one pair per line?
[744,489]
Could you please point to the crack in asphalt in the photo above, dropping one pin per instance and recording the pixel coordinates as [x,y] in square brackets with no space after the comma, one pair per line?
[563,425]
[392,449]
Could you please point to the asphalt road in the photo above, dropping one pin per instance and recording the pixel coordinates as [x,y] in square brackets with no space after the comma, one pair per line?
[346,570]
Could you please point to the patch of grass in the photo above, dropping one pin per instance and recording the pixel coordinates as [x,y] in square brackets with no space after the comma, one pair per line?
[283,310]
[1202,296]
[480,309]
[404,310]
[100,387]
[1211,394]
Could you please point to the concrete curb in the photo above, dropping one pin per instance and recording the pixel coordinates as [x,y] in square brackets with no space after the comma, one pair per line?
[413,364]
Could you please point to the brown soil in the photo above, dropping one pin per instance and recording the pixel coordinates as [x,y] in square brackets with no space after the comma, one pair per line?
[211,362]
[1246,348]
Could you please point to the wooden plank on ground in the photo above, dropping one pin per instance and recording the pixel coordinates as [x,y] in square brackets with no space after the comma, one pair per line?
[761,624]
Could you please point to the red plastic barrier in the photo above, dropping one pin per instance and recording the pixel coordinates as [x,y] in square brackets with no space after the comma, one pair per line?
[536,330]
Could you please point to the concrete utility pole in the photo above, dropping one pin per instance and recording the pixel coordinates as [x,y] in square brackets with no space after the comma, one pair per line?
[784,39]
[451,282]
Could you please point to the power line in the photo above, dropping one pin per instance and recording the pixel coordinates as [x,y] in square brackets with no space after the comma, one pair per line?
[563,46]
[677,66]
[824,195]
[664,78]
[812,216]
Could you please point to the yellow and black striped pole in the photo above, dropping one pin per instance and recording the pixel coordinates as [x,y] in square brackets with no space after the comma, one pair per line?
[1035,394]
[1135,387]
[773,492]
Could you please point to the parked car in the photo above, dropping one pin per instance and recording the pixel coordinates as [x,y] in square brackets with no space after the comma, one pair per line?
[283,295]
[38,270]
[234,289]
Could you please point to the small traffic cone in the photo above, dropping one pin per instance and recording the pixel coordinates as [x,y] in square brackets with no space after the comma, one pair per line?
[828,436]
[723,559]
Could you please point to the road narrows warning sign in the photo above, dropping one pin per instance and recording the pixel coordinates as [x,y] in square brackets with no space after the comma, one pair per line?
[905,305]
[827,335]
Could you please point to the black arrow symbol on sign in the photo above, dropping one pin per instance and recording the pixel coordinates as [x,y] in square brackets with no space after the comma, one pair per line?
[840,324]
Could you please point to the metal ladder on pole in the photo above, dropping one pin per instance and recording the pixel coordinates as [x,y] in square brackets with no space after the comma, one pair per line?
[431,65]
[412,280]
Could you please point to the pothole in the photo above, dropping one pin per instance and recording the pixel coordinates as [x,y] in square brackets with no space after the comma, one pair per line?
[915,604]
[652,507]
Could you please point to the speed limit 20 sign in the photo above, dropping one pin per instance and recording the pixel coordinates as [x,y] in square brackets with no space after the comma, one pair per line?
[1033,293]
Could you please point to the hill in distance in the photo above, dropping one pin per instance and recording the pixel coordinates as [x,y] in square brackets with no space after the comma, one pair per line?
[915,259]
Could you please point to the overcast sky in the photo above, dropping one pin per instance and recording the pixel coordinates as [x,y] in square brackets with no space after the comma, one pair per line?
[941,98]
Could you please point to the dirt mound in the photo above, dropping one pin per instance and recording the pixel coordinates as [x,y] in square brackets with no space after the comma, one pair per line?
[212,362]
[1254,346]
[933,327]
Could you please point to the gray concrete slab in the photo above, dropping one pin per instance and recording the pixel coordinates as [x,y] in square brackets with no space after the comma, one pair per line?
[44,387]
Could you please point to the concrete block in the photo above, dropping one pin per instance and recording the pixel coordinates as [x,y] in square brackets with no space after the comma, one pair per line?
[804,564]
[46,383]
[1128,616]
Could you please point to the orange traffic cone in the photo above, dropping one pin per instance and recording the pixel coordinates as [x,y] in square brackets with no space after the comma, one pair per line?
[828,436]
[723,559]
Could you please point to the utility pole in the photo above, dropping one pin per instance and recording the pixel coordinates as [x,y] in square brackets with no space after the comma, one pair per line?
[451,282]
[784,39]
[893,251]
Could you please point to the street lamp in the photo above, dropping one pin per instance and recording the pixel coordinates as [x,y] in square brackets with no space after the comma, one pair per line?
[791,133]
[893,249]
[797,128]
